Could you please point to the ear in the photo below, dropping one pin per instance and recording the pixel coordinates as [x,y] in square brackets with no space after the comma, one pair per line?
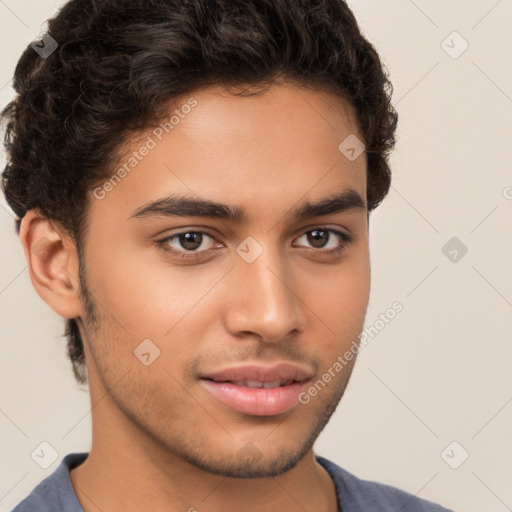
[53,263]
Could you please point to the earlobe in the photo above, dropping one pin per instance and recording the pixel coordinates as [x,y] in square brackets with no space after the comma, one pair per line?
[52,262]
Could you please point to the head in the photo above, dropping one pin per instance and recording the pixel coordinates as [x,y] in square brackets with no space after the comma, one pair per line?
[186,203]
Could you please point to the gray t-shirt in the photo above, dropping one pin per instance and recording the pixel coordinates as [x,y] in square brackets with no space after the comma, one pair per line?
[55,493]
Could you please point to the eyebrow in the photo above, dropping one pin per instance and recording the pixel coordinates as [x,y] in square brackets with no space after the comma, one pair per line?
[185,206]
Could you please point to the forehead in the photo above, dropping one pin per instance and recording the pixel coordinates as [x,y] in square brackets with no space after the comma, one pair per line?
[273,148]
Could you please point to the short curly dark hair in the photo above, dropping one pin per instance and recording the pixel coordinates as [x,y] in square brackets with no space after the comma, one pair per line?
[119,64]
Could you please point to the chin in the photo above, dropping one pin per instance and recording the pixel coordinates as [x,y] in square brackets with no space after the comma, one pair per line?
[249,462]
[246,459]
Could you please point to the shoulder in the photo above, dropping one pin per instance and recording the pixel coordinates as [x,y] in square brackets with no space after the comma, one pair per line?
[55,493]
[356,494]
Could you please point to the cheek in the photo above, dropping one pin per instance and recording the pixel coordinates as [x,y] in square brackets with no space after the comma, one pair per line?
[339,306]
[341,297]
[147,296]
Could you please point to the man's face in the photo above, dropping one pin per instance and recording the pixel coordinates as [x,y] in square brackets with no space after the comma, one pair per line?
[263,301]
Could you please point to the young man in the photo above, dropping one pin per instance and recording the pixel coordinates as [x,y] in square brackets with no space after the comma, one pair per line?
[193,182]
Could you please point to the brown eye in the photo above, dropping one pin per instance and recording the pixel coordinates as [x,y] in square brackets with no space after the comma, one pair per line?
[322,239]
[318,237]
[192,242]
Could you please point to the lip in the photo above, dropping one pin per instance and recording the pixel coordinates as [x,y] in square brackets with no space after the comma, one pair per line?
[258,401]
[283,371]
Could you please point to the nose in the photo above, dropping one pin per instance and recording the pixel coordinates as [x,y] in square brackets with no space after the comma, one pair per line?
[263,300]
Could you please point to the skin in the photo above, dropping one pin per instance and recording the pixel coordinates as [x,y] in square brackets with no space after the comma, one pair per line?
[160,440]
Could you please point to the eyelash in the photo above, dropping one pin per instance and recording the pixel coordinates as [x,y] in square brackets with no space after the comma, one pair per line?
[191,255]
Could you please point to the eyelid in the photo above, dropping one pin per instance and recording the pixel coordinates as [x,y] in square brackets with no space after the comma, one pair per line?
[345,240]
[344,234]
[174,236]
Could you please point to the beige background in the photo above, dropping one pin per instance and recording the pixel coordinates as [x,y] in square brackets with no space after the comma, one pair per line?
[440,371]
